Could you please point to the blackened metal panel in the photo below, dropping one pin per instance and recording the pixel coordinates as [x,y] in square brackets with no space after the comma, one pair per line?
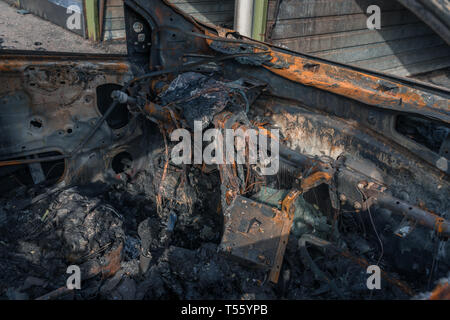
[209,11]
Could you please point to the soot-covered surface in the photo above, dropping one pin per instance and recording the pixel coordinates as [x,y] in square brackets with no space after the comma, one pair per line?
[83,225]
[155,233]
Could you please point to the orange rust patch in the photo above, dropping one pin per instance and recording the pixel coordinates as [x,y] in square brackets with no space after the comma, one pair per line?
[266,132]
[442,292]
[342,82]
[289,200]
[18,65]
[315,179]
[229,196]
[113,260]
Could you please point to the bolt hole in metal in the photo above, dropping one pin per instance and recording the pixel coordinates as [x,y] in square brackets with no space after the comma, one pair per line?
[88,99]
[36,123]
[122,162]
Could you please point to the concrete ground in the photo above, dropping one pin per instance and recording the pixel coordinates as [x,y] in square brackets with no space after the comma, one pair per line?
[29,32]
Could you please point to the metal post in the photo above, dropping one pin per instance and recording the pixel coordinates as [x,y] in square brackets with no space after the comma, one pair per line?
[243,17]
[92,21]
[259,19]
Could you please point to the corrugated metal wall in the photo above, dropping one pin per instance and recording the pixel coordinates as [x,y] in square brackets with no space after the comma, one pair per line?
[337,30]
[209,11]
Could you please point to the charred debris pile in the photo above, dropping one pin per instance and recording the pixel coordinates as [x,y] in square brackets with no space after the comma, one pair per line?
[161,230]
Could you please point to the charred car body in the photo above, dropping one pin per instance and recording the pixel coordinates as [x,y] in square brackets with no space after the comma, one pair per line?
[85,154]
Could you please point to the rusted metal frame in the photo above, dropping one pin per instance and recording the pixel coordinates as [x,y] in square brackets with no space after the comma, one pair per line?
[348,173]
[316,179]
[427,219]
[163,5]
[189,66]
[325,175]
[288,209]
[362,86]
[288,218]
[375,194]
[308,183]
[317,173]
[59,56]
[359,86]
[18,61]
[366,87]
[320,243]
[353,114]
[151,111]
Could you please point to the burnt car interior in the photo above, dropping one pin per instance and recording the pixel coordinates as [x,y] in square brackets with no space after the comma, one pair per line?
[87,176]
